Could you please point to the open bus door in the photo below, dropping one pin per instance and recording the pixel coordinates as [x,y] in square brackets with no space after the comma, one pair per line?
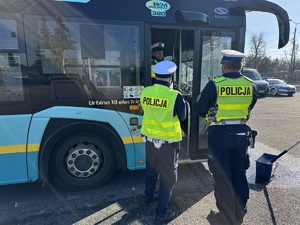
[197,55]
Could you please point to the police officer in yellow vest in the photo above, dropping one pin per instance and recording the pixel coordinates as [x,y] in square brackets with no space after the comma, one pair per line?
[157,56]
[226,102]
[163,109]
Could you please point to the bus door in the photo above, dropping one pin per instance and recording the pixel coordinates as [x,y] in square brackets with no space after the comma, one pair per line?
[197,55]
[181,48]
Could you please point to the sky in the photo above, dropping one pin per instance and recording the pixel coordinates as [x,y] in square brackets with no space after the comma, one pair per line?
[266,23]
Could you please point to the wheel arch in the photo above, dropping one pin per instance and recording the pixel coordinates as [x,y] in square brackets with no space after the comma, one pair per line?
[57,129]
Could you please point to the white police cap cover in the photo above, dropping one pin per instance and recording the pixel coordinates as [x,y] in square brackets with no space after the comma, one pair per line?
[165,68]
[232,55]
[159,46]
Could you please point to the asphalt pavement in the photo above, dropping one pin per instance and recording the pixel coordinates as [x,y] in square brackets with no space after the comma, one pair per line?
[276,202]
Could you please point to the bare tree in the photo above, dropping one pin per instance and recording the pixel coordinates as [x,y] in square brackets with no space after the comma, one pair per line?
[258,49]
[291,57]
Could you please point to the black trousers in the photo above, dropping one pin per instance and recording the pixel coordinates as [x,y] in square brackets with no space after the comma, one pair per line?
[228,166]
[161,163]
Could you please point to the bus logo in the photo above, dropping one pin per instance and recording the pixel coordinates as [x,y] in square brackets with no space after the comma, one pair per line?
[221,13]
[158,8]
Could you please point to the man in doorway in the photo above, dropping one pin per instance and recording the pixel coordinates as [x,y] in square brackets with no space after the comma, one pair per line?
[157,56]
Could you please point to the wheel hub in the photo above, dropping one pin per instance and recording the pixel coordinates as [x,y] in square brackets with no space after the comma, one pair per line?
[83,162]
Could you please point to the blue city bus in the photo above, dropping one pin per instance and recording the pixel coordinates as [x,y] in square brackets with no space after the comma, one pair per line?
[71,75]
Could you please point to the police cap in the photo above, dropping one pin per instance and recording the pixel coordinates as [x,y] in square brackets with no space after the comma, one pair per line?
[164,69]
[159,46]
[232,55]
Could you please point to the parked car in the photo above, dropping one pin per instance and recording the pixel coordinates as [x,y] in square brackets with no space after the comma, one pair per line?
[262,85]
[279,87]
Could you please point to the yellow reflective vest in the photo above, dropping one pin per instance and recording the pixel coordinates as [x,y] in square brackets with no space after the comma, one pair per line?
[153,62]
[158,102]
[234,97]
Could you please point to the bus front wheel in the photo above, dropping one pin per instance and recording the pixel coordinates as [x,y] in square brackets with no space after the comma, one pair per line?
[82,161]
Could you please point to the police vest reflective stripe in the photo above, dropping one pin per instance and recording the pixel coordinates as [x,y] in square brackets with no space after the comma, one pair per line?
[233,98]
[158,120]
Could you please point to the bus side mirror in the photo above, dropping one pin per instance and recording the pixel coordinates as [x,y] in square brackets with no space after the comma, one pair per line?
[281,14]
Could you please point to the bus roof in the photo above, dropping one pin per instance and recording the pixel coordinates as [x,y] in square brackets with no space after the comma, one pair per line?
[187,12]
[151,11]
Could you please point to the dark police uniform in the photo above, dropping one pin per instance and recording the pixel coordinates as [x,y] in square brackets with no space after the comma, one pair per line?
[163,109]
[226,103]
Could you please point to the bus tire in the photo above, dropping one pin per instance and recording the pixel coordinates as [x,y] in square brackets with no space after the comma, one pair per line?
[82,161]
